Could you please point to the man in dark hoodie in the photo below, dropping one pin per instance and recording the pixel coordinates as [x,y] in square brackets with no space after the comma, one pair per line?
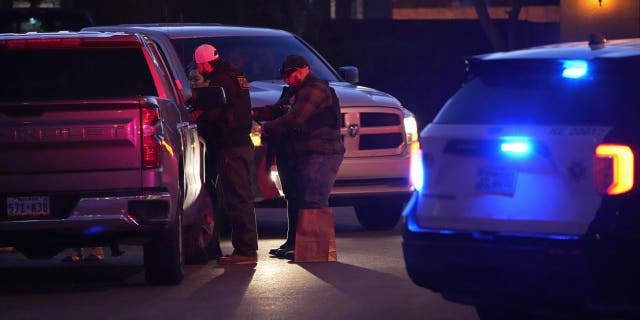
[226,129]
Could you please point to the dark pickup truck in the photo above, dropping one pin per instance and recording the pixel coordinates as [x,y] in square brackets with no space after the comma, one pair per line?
[98,150]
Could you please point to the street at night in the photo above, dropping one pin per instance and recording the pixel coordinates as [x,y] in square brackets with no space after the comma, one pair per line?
[369,281]
[480,157]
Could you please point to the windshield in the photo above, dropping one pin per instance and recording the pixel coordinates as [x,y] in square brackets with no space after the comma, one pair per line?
[259,58]
[514,98]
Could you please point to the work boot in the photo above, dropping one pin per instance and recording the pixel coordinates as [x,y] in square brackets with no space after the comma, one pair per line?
[288,245]
[286,253]
[238,259]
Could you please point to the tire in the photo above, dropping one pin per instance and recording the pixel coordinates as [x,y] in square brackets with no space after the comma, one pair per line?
[195,251]
[198,240]
[377,215]
[163,261]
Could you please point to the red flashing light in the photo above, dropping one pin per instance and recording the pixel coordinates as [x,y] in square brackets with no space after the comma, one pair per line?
[150,146]
[150,153]
[149,116]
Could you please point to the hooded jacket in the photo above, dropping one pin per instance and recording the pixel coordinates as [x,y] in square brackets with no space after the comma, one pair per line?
[230,124]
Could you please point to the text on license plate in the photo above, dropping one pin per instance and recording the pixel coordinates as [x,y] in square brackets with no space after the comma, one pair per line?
[28,206]
[497,180]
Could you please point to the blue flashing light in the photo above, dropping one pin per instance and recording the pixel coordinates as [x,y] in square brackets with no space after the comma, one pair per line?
[33,20]
[574,69]
[94,230]
[516,146]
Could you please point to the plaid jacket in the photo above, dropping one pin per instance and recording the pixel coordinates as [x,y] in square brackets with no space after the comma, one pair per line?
[312,125]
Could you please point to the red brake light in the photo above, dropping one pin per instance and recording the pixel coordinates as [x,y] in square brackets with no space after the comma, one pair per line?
[150,146]
[149,116]
[123,41]
[613,169]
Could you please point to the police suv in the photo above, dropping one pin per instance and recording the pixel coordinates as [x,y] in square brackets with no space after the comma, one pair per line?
[527,202]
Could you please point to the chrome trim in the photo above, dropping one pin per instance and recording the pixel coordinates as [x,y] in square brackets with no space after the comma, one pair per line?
[108,212]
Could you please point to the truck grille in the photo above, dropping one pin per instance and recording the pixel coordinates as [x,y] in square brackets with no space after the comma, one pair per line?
[372,131]
[377,119]
[380,141]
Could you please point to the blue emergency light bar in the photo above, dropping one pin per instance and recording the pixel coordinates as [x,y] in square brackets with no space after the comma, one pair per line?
[574,69]
[516,146]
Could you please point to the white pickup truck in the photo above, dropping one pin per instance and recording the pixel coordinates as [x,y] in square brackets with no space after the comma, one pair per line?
[378,132]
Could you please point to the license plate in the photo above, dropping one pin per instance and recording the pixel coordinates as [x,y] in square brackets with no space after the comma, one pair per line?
[497,180]
[28,206]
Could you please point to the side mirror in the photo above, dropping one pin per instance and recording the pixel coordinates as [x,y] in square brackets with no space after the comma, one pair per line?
[349,74]
[208,97]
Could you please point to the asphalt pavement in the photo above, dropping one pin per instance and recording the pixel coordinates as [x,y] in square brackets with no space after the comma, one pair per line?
[369,281]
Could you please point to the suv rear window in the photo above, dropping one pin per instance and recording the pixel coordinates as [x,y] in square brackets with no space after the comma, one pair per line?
[82,73]
[521,96]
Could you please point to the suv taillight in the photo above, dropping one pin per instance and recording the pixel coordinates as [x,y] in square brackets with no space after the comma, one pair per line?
[150,145]
[613,168]
[416,167]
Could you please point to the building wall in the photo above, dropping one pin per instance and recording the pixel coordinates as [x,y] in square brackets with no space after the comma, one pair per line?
[612,18]
[527,13]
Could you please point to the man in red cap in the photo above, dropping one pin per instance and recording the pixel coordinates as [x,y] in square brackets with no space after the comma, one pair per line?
[226,130]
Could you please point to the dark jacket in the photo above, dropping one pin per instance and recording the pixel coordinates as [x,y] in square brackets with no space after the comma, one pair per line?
[312,126]
[228,125]
[276,146]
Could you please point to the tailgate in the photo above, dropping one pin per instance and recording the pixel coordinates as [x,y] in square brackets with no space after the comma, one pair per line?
[472,184]
[70,141]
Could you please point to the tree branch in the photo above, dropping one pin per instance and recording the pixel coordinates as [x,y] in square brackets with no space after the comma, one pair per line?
[487,25]
[516,6]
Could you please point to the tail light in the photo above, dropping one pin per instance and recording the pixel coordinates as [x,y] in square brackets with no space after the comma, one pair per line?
[416,167]
[58,42]
[150,145]
[613,169]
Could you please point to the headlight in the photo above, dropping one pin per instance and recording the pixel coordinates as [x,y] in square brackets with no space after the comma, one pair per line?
[411,128]
[416,167]
[255,134]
